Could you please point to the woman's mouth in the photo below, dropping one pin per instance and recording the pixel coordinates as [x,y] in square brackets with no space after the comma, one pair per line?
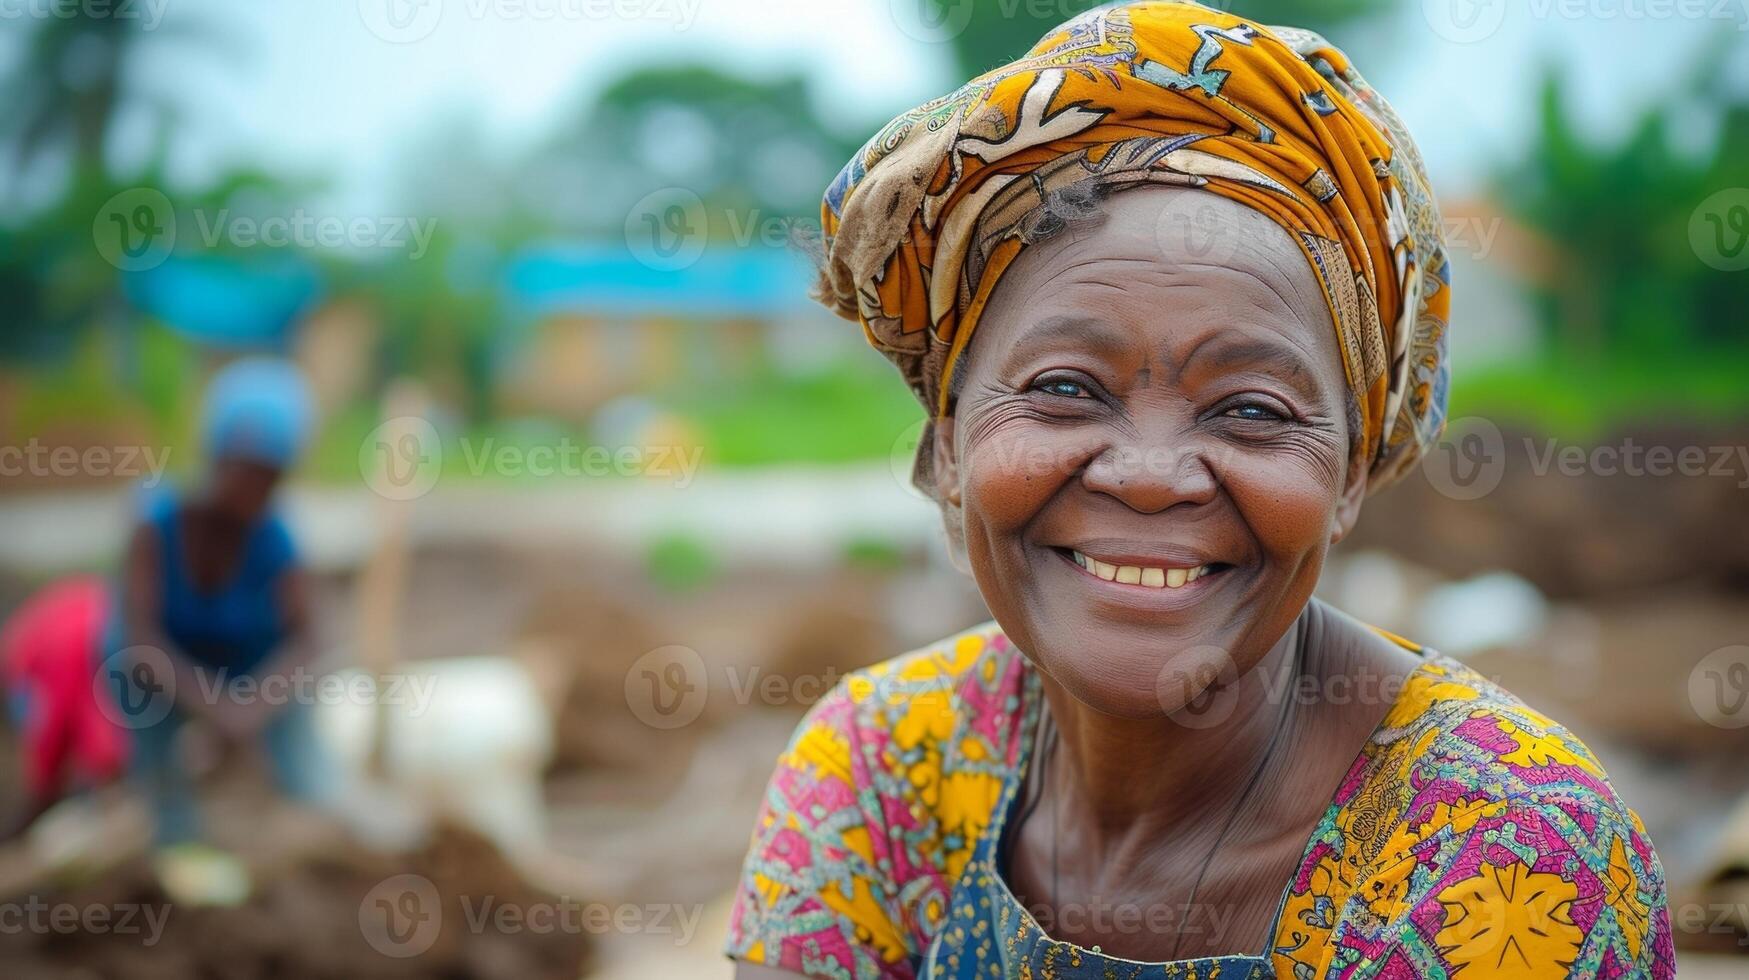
[1146,576]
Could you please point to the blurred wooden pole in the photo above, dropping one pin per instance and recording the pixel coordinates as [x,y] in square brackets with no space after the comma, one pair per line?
[382,581]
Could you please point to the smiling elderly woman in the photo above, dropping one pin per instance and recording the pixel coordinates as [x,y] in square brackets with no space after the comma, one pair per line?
[1208,290]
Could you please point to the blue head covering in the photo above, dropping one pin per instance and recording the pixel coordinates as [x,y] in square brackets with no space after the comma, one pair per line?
[257,409]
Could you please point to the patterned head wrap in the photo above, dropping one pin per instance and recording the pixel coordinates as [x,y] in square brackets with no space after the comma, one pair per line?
[922,222]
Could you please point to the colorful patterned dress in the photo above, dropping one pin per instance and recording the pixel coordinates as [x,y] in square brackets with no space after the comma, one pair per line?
[1472,837]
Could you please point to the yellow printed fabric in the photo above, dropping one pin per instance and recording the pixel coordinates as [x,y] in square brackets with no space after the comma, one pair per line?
[921,223]
[1471,838]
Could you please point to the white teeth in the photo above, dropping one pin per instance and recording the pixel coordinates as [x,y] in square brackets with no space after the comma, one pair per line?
[1153,578]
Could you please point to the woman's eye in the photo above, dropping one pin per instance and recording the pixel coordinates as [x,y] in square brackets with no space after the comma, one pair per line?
[1062,388]
[1255,412]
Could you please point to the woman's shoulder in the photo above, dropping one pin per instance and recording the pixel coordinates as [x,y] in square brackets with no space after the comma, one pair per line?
[1447,728]
[1447,713]
[1469,805]
[959,700]
[876,806]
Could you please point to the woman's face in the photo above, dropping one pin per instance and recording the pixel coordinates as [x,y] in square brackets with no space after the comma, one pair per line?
[242,489]
[1150,448]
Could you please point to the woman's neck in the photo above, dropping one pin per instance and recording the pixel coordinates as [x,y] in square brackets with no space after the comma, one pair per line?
[1125,783]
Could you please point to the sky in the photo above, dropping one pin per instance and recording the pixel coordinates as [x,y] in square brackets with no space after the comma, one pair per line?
[341,89]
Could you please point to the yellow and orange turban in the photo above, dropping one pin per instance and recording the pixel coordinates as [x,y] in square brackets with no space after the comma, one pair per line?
[922,222]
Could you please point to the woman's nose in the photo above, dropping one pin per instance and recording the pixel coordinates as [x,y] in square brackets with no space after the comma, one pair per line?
[1150,476]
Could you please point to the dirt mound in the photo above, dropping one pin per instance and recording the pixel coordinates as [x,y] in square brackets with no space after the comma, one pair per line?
[344,913]
[1628,512]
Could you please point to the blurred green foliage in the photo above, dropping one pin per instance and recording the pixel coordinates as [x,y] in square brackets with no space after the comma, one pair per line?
[1000,31]
[1633,322]
[874,554]
[851,410]
[680,562]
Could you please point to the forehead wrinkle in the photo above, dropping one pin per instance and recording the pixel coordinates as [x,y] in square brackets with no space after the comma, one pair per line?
[1083,331]
[1165,273]
[1234,352]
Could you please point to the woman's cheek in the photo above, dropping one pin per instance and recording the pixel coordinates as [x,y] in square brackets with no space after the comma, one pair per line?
[1290,507]
[1011,473]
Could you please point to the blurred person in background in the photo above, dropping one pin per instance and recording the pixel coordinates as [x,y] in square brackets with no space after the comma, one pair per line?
[1210,291]
[211,593]
[50,651]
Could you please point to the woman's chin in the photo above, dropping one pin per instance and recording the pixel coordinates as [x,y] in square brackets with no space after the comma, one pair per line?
[1149,680]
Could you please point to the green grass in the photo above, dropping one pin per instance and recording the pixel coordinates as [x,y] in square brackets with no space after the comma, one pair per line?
[1577,400]
[848,412]
[680,562]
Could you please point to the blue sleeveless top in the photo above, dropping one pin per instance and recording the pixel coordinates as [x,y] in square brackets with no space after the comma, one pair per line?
[239,624]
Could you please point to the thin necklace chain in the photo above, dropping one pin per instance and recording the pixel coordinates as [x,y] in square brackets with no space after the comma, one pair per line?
[1048,730]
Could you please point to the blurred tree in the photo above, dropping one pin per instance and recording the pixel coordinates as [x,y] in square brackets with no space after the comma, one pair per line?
[64,95]
[62,100]
[754,148]
[1001,30]
[65,91]
[1628,285]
